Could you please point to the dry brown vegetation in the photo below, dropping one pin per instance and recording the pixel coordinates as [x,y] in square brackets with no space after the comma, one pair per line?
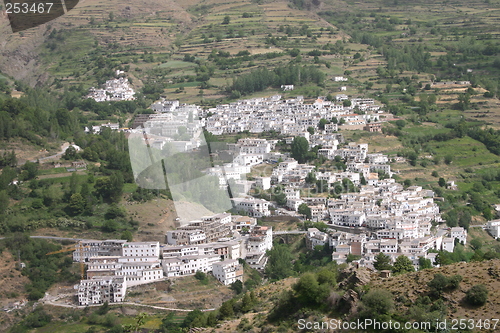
[11,287]
[413,285]
[182,293]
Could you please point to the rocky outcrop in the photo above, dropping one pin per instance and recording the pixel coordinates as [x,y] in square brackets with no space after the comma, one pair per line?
[354,277]
[349,302]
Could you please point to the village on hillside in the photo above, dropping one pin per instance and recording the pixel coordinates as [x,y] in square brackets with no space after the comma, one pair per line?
[369,213]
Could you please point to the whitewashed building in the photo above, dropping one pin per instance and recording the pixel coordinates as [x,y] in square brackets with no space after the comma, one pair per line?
[228,271]
[111,289]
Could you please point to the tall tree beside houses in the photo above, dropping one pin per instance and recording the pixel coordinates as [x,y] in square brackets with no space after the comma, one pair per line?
[300,148]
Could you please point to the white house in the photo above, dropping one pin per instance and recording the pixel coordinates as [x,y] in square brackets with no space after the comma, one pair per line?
[448,244]
[254,207]
[141,249]
[460,233]
[263,182]
[314,237]
[103,289]
[228,271]
[260,240]
[257,261]
[493,228]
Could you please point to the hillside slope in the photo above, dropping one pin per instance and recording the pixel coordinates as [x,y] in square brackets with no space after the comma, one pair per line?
[134,27]
[20,52]
[406,289]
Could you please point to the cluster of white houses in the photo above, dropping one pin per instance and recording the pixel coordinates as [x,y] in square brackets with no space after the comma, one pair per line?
[212,244]
[113,265]
[218,237]
[114,90]
[366,248]
[289,117]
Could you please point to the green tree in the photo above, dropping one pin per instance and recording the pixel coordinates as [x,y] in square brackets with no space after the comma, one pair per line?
[76,204]
[400,123]
[310,129]
[4,203]
[70,153]
[309,291]
[110,226]
[140,320]
[438,285]
[454,282]
[281,199]
[114,212]
[169,324]
[73,183]
[278,266]
[322,123]
[300,148]
[226,310]
[226,19]
[30,171]
[311,178]
[246,303]
[51,196]
[37,318]
[327,276]
[305,210]
[476,244]
[103,309]
[487,213]
[382,262]
[403,265]
[348,185]
[110,188]
[463,102]
[378,302]
[424,263]
[322,186]
[477,295]
[191,317]
[127,235]
[237,286]
[442,182]
[212,319]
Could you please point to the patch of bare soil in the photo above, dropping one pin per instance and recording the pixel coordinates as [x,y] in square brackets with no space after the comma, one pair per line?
[26,151]
[155,218]
[182,293]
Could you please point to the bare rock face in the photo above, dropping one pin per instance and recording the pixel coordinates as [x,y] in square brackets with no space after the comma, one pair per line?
[354,277]
[349,302]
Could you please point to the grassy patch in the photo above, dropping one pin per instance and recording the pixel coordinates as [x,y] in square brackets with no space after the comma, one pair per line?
[466,152]
[62,327]
[177,64]
[53,171]
[129,188]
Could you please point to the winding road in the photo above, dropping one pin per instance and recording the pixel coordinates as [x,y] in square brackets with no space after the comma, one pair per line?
[63,150]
